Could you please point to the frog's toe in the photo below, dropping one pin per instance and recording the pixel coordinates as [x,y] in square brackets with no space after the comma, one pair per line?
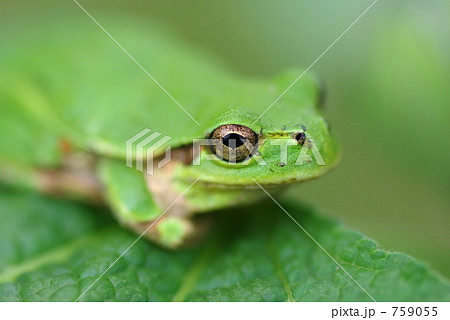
[173,232]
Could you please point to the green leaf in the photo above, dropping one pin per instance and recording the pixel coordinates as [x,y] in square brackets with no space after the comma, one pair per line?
[52,250]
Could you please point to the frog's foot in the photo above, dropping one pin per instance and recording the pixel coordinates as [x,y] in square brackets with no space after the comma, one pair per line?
[167,222]
[172,232]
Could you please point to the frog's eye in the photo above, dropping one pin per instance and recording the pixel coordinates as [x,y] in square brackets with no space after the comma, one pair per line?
[234,142]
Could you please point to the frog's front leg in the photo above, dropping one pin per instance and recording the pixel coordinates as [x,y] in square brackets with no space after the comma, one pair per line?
[126,191]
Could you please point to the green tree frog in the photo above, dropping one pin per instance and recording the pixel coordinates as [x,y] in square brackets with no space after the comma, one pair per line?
[70,100]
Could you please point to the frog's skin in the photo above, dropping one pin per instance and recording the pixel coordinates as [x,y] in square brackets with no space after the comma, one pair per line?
[70,98]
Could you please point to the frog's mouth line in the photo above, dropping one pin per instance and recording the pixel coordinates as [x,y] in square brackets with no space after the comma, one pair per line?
[277,183]
[243,186]
[252,185]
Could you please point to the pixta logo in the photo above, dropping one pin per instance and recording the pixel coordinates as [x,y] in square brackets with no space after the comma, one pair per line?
[141,148]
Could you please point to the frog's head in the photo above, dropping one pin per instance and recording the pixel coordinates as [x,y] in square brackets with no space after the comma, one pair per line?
[290,143]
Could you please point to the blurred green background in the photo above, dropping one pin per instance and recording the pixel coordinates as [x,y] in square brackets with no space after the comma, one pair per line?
[388,98]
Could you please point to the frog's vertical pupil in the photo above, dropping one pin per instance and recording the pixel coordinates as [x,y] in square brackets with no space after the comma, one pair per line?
[233,140]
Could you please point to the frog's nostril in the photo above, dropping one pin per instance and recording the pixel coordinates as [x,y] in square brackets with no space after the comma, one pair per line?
[300,137]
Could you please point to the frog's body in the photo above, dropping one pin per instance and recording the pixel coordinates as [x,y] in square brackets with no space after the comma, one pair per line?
[70,98]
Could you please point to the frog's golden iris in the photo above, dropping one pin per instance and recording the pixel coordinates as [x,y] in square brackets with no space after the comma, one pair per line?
[234,142]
